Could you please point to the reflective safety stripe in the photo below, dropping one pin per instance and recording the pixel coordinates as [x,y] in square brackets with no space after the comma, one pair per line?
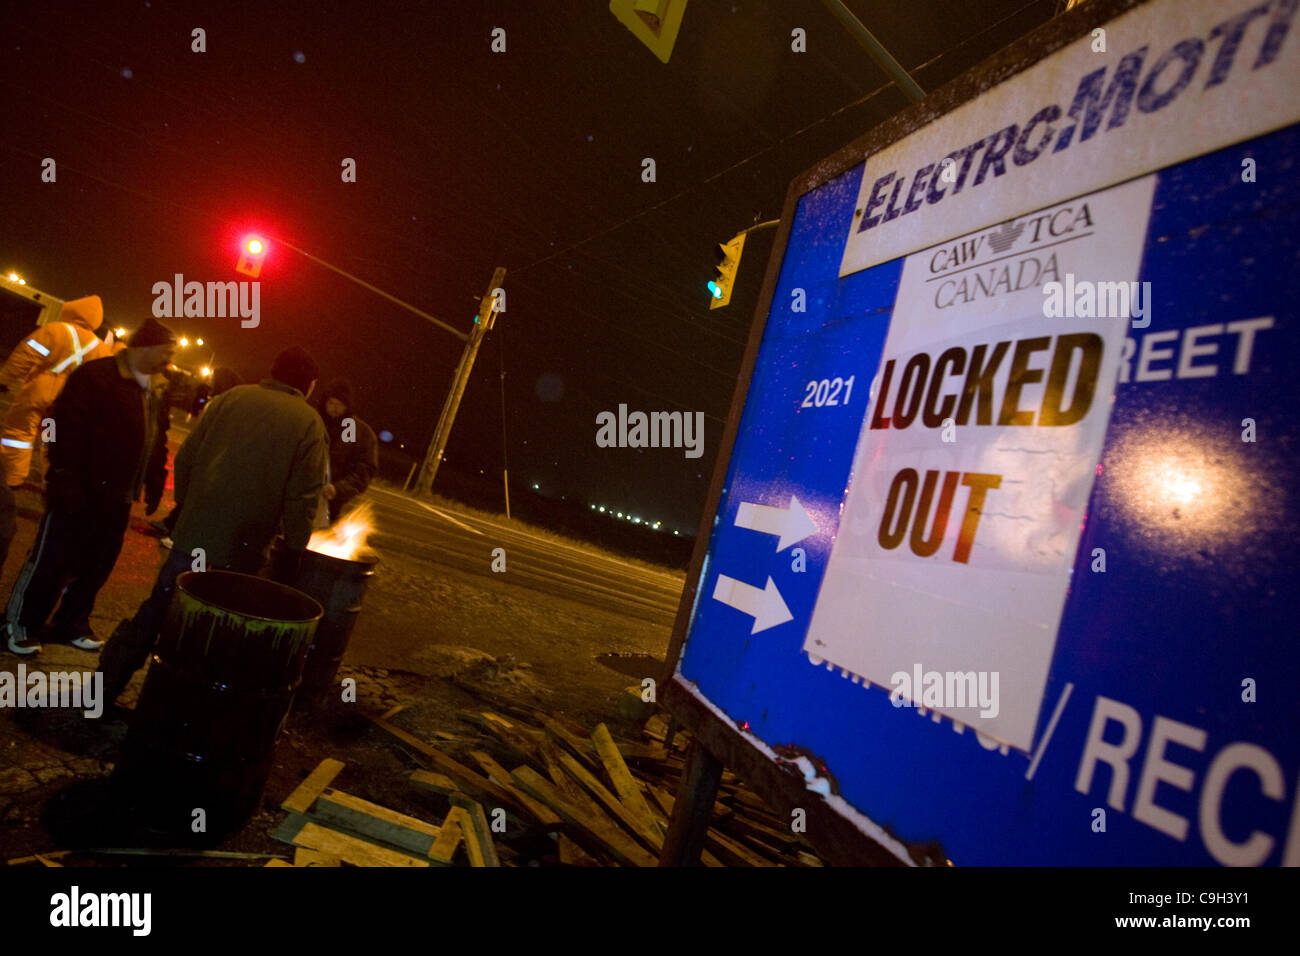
[15,443]
[38,346]
[78,353]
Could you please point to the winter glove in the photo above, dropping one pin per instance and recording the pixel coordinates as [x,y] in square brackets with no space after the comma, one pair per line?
[286,564]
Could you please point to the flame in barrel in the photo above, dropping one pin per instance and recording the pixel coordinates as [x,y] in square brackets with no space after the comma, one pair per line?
[346,539]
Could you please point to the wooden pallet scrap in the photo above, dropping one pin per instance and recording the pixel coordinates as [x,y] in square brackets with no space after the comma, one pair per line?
[332,827]
[593,830]
[601,799]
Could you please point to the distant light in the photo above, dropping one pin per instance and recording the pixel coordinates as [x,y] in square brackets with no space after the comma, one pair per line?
[205,371]
[602,509]
[620,514]
[184,343]
[22,281]
[299,57]
[255,246]
[120,332]
[715,290]
[198,341]
[535,487]
[13,277]
[674,532]
[385,436]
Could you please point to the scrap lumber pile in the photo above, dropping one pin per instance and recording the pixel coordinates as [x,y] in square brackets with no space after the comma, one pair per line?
[329,827]
[537,790]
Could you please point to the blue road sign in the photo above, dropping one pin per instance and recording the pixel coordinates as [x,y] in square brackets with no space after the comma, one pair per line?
[1006,545]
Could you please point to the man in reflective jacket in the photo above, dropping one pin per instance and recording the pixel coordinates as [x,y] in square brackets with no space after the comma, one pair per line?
[37,369]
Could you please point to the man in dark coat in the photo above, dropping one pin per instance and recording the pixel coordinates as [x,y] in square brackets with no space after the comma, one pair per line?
[107,423]
[254,463]
[354,452]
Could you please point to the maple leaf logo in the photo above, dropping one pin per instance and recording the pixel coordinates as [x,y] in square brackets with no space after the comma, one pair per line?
[1005,236]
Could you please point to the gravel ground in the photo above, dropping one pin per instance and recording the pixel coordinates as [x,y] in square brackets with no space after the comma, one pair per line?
[420,627]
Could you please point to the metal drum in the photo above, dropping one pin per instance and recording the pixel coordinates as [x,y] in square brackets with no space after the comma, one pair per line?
[339,584]
[216,697]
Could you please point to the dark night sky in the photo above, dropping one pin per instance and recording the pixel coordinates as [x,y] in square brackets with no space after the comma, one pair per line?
[466,159]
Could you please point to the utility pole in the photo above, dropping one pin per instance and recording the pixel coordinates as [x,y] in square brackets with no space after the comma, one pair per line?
[505,445]
[867,40]
[487,311]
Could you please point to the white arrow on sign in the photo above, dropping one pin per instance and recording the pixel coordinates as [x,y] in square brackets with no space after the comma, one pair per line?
[764,606]
[791,524]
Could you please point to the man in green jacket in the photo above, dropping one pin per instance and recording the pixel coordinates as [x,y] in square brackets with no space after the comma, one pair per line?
[254,464]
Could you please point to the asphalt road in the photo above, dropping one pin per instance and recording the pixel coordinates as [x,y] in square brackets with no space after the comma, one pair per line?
[434,535]
[427,534]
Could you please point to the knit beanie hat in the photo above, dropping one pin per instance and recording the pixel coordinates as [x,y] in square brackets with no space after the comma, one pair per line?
[151,333]
[224,379]
[339,388]
[295,366]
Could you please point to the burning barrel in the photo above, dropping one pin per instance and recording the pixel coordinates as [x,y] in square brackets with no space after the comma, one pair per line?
[336,570]
[217,694]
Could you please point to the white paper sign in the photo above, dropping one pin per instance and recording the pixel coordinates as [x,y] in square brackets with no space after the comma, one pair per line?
[977,456]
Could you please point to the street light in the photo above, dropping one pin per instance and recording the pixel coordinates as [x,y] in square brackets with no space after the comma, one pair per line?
[184,343]
[198,341]
[205,371]
[120,332]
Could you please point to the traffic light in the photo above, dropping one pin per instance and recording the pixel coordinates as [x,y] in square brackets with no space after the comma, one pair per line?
[728,263]
[251,253]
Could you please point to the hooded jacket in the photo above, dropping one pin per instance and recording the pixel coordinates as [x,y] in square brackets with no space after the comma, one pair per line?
[354,452]
[57,347]
[37,369]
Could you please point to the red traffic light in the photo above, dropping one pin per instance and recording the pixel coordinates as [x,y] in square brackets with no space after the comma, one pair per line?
[251,254]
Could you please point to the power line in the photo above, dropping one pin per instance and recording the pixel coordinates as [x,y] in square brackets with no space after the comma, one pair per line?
[604,323]
[767,149]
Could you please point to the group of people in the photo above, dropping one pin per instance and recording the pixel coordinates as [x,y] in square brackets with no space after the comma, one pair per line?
[260,461]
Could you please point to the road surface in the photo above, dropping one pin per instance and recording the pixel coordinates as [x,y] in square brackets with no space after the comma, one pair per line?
[421,532]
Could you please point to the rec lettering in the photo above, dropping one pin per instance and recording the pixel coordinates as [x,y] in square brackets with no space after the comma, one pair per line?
[923,389]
